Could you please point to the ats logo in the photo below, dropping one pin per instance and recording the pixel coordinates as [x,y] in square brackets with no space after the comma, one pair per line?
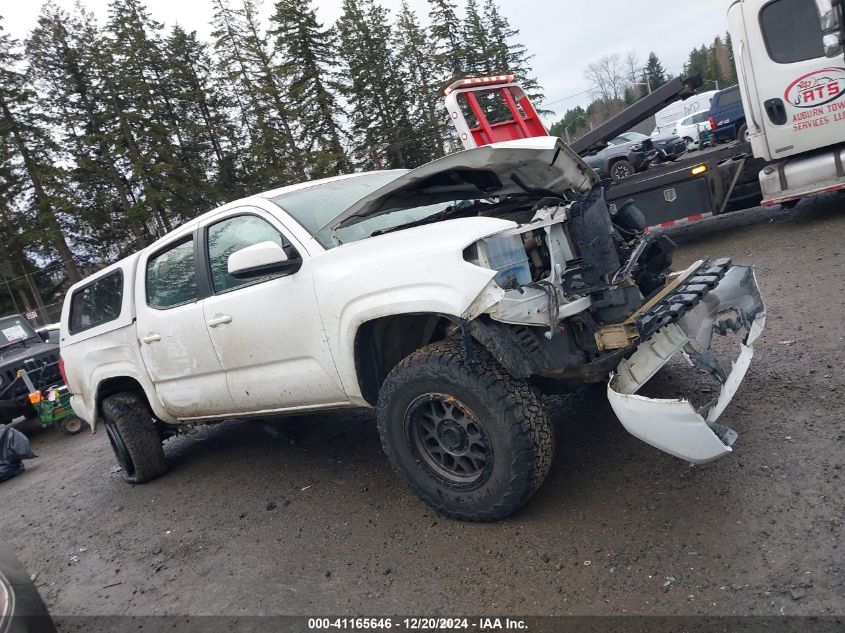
[816,88]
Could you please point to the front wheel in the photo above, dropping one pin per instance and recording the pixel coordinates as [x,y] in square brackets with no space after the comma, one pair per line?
[469,439]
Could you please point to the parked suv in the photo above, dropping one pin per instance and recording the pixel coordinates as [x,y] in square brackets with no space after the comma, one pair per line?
[727,116]
[622,158]
[22,348]
[693,128]
[447,298]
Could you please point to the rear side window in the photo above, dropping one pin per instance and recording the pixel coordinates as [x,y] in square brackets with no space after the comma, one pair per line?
[172,276]
[96,303]
[728,98]
[792,31]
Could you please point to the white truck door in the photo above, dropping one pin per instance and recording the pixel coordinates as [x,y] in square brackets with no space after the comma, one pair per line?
[796,93]
[267,332]
[172,334]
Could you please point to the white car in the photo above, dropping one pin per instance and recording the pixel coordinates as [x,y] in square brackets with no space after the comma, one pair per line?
[447,298]
[691,127]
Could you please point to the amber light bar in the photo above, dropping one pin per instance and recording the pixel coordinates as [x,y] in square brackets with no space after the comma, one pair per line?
[492,80]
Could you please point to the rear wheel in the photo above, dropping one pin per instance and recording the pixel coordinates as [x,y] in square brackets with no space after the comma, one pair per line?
[472,441]
[133,437]
[742,134]
[621,169]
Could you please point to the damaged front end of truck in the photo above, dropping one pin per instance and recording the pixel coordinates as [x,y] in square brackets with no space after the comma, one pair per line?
[581,293]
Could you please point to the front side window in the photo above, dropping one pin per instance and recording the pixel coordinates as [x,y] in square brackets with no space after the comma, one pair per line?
[96,303]
[792,31]
[171,276]
[233,234]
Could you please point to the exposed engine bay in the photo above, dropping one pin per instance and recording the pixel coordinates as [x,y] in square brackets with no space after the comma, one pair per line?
[567,251]
[601,286]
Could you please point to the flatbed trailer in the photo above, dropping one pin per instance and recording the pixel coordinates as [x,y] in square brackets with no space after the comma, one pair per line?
[696,186]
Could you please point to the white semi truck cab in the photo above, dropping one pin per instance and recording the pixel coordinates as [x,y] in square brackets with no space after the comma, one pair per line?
[791,68]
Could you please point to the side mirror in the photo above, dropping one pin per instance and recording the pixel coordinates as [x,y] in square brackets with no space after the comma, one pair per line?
[258,260]
[830,19]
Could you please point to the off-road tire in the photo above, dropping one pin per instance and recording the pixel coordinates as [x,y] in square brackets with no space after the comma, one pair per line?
[509,410]
[129,420]
[621,169]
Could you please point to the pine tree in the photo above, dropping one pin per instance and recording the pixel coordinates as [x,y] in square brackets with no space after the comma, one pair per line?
[507,54]
[25,134]
[209,140]
[654,71]
[478,58]
[698,62]
[415,50]
[270,80]
[245,63]
[731,75]
[70,56]
[382,133]
[308,51]
[142,103]
[446,34]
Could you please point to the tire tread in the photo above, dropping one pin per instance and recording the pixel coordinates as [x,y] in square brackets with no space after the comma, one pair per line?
[132,417]
[516,400]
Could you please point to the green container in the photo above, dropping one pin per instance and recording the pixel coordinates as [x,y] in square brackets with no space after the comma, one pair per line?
[56,409]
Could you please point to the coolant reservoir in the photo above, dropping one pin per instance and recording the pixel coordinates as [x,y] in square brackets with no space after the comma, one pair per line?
[506,255]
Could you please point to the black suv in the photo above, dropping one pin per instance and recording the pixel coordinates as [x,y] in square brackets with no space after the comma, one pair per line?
[22,348]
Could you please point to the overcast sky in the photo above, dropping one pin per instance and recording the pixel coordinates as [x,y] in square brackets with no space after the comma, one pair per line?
[563,35]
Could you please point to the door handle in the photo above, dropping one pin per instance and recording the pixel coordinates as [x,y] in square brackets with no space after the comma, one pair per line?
[151,338]
[776,111]
[219,319]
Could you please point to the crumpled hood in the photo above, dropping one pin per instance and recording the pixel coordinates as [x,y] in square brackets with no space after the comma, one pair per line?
[543,163]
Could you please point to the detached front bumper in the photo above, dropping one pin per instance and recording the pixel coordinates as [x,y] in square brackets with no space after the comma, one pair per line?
[731,303]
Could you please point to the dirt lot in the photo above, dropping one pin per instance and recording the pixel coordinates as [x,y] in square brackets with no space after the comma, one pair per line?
[310,520]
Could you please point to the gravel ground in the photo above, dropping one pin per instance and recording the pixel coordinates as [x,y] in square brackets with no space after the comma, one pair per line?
[310,520]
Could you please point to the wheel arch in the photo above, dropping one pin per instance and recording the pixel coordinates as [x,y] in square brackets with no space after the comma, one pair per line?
[111,385]
[381,343]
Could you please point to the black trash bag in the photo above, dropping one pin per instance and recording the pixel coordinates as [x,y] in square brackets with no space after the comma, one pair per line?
[10,470]
[14,447]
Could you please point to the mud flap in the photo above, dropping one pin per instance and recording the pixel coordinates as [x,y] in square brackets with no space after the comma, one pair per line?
[675,426]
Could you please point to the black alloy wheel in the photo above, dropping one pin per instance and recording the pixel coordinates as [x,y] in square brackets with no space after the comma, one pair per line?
[449,439]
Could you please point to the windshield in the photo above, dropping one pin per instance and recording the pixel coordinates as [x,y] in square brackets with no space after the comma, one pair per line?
[313,207]
[316,206]
[14,329]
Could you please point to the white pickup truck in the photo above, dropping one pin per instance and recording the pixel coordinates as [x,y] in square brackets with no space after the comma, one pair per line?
[447,298]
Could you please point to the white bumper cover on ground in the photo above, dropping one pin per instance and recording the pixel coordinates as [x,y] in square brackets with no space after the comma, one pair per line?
[675,426]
